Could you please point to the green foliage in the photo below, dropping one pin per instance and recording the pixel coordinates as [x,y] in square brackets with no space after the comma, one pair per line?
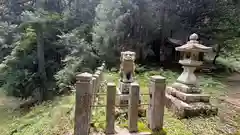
[14,76]
[81,56]
[124,25]
[19,69]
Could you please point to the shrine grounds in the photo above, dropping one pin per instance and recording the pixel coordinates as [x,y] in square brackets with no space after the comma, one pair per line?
[56,117]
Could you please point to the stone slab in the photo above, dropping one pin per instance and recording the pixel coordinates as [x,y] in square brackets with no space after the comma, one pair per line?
[185,110]
[186,88]
[188,98]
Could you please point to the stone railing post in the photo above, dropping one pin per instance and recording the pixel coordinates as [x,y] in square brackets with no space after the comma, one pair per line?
[95,81]
[157,103]
[110,109]
[133,105]
[101,73]
[83,104]
[98,81]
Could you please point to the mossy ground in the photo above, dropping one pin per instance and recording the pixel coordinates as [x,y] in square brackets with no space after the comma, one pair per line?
[56,117]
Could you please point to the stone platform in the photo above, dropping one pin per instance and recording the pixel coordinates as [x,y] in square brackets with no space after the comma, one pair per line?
[189,104]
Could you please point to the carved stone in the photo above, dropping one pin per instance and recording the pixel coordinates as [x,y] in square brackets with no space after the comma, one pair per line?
[127,69]
[127,66]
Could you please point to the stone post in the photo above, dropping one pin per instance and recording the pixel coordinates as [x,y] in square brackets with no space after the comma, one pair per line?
[83,104]
[101,73]
[110,109]
[96,76]
[157,103]
[133,105]
[98,73]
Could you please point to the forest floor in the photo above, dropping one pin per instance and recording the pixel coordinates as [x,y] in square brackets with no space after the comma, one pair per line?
[56,117]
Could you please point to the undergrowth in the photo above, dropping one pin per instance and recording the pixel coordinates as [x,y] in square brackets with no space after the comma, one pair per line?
[49,118]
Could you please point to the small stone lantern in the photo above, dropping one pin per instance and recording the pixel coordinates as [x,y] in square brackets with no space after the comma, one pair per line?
[190,59]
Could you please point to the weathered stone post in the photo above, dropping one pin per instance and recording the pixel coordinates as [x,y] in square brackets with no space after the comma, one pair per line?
[133,105]
[95,82]
[98,81]
[157,103]
[101,73]
[83,104]
[110,109]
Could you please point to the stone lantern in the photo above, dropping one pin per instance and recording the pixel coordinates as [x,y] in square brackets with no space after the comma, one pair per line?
[190,62]
[184,96]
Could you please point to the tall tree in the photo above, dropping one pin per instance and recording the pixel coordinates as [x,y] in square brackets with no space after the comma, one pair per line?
[38,22]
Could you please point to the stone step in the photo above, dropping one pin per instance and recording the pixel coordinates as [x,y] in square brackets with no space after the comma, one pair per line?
[183,110]
[188,98]
[171,100]
[186,88]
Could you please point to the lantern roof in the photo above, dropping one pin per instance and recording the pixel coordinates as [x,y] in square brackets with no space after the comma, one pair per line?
[193,45]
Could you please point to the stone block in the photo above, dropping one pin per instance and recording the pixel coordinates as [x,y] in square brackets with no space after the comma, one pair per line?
[188,98]
[184,110]
[186,88]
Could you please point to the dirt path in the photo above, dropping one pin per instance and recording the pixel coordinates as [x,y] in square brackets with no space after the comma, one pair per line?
[233,90]
[229,111]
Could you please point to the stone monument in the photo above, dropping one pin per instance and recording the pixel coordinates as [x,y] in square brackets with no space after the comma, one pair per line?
[127,68]
[184,97]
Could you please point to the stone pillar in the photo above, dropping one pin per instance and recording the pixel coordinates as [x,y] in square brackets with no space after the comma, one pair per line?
[101,73]
[157,103]
[83,104]
[188,76]
[98,83]
[133,108]
[110,109]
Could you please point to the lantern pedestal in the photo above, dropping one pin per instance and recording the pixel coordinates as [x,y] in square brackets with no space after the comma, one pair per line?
[187,101]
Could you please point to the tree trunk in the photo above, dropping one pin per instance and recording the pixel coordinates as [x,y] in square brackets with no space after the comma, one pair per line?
[41,64]
[218,49]
[77,6]
[162,19]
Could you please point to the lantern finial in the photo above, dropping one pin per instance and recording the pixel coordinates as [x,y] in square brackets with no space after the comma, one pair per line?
[194,36]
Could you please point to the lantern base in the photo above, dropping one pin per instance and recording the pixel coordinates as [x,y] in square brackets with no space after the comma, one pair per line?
[189,105]
[184,110]
[186,88]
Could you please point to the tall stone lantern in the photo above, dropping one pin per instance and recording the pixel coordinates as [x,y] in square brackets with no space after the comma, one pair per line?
[190,59]
[184,96]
